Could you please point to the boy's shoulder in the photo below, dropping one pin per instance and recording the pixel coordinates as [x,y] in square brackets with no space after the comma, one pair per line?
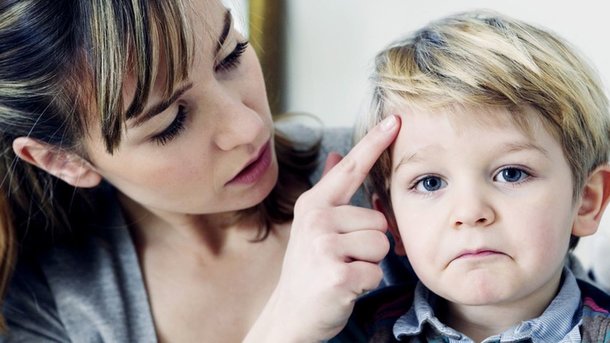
[375,313]
[596,313]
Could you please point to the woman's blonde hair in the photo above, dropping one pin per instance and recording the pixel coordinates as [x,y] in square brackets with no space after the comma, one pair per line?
[64,64]
[482,58]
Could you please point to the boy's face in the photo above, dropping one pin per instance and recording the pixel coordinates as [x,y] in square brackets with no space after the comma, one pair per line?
[484,210]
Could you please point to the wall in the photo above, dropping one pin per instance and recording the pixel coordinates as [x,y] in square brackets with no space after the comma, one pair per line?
[332,42]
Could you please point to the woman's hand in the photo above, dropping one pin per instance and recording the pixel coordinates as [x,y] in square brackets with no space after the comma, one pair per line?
[333,252]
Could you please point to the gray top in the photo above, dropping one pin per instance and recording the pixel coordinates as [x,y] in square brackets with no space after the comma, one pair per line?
[94,291]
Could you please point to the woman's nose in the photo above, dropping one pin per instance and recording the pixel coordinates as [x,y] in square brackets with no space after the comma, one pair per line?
[238,125]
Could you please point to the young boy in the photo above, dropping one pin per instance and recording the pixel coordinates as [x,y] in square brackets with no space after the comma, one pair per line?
[500,165]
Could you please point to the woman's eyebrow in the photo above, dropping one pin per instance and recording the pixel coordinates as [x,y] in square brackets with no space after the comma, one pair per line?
[161,106]
[225,31]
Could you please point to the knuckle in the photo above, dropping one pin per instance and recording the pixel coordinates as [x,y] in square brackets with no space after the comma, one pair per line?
[381,241]
[313,218]
[380,221]
[303,201]
[376,275]
[341,276]
[373,277]
[379,272]
[349,165]
[325,244]
[318,217]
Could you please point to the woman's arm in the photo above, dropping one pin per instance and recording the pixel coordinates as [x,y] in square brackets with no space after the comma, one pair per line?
[333,253]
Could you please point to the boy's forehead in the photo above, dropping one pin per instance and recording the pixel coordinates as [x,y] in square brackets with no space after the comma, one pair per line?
[424,131]
[460,117]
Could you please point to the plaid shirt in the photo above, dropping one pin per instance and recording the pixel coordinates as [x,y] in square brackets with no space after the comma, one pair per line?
[579,313]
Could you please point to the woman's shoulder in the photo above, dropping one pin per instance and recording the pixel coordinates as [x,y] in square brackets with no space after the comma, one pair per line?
[80,289]
[29,307]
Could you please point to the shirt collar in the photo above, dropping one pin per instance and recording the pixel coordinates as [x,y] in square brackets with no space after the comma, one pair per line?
[558,323]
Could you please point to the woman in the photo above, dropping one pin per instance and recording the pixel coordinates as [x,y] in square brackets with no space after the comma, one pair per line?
[140,163]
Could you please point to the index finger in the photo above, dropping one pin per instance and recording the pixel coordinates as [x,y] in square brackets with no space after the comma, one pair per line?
[331,160]
[342,181]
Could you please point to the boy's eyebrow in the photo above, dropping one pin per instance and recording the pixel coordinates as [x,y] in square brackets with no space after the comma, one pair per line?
[161,106]
[506,148]
[519,146]
[415,156]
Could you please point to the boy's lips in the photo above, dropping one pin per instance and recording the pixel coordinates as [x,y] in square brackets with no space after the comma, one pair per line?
[255,167]
[477,253]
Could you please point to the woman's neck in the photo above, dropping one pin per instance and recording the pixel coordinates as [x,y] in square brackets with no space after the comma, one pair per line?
[209,234]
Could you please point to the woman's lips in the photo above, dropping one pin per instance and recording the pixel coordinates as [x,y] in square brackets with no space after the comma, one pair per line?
[255,169]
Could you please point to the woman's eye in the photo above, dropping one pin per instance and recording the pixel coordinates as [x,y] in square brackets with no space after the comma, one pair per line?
[512,175]
[430,184]
[174,128]
[232,60]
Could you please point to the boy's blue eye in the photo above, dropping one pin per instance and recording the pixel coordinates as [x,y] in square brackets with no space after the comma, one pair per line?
[232,60]
[430,184]
[511,174]
[174,128]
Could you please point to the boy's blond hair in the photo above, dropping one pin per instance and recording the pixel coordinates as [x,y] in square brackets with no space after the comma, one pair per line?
[481,58]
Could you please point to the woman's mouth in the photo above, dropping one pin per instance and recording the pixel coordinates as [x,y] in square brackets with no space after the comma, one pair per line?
[255,169]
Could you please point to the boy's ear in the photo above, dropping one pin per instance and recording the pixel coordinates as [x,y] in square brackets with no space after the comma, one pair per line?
[399,248]
[593,201]
[66,166]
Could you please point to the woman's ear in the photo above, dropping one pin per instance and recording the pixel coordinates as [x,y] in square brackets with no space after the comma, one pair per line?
[66,166]
[593,201]
[399,248]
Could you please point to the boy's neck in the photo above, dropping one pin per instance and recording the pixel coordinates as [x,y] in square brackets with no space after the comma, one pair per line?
[482,321]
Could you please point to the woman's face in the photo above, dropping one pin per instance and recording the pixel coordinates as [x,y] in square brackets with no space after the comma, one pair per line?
[211,150]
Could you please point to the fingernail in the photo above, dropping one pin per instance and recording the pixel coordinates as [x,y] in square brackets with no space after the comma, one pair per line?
[388,123]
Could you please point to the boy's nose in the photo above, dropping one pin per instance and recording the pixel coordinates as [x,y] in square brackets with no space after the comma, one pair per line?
[472,210]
